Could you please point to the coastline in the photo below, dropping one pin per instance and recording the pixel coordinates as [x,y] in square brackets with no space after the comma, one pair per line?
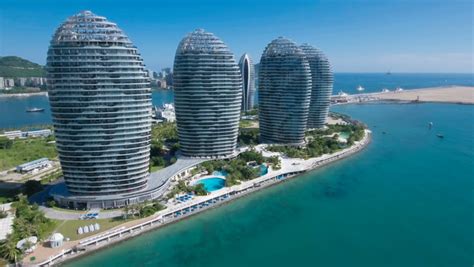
[24,94]
[444,94]
[156,221]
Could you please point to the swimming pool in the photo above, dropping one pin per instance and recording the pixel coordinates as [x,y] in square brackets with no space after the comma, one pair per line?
[212,183]
[263,169]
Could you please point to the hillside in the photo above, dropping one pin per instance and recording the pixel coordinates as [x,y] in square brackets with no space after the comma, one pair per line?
[12,66]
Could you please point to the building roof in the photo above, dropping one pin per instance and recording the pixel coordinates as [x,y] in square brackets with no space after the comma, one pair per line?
[24,165]
[56,237]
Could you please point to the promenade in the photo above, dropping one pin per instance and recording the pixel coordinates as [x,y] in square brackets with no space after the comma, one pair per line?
[290,167]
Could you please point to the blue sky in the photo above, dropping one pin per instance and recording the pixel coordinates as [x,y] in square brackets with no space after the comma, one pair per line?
[357,35]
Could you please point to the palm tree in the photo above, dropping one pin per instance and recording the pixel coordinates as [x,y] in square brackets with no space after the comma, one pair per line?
[8,249]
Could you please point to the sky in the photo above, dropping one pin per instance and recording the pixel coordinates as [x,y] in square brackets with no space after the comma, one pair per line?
[357,35]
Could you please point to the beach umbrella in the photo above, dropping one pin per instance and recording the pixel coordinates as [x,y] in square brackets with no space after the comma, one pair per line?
[80,230]
[97,226]
[91,228]
[86,229]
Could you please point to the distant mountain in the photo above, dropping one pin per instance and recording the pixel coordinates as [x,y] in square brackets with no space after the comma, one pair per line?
[12,67]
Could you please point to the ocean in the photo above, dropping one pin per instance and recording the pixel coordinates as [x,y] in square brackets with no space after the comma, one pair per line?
[406,200]
[13,109]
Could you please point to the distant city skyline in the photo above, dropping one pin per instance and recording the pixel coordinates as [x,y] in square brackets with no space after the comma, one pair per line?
[357,35]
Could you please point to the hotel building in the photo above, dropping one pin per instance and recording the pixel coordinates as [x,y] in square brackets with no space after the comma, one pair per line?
[284,85]
[208,96]
[100,99]
[248,82]
[322,83]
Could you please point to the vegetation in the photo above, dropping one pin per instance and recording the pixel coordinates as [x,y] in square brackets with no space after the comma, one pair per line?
[182,187]
[51,177]
[248,136]
[25,150]
[12,67]
[8,195]
[5,143]
[164,144]
[142,210]
[323,141]
[237,168]
[24,90]
[3,214]
[69,228]
[29,221]
[252,112]
[246,123]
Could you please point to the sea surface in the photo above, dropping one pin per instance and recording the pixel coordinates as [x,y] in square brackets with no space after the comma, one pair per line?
[13,109]
[406,200]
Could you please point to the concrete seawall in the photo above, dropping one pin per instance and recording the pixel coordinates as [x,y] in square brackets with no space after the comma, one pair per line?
[197,205]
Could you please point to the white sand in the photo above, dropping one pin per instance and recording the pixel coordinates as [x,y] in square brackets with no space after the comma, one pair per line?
[454,94]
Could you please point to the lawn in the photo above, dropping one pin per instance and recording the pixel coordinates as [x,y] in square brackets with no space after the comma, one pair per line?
[69,228]
[155,168]
[25,150]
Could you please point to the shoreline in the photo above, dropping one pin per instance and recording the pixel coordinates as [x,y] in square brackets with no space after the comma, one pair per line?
[445,94]
[21,95]
[157,221]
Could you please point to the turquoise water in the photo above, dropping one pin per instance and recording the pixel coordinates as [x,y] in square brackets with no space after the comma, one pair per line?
[212,184]
[263,169]
[407,200]
[347,82]
[219,173]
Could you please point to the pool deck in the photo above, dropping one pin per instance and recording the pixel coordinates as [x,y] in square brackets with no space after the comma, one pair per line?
[290,167]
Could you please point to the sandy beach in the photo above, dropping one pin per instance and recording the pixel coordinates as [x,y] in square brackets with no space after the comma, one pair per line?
[453,94]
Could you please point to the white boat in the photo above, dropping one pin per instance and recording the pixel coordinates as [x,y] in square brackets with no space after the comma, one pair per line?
[385,90]
[399,89]
[341,93]
[360,88]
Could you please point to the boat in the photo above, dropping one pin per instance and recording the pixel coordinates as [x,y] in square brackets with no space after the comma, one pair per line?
[385,90]
[440,136]
[341,93]
[399,89]
[360,88]
[35,110]
[430,125]
[388,73]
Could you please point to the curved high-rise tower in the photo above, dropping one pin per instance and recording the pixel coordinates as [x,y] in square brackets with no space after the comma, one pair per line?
[208,96]
[284,85]
[100,100]
[248,82]
[322,82]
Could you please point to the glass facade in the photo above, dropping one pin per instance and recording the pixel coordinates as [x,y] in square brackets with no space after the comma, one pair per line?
[284,95]
[208,96]
[248,82]
[322,83]
[100,100]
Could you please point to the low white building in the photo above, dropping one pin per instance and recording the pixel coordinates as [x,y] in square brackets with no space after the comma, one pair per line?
[166,113]
[56,240]
[34,166]
[39,133]
[34,133]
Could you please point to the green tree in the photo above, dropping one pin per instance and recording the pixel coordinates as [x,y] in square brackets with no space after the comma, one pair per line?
[5,143]
[8,249]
